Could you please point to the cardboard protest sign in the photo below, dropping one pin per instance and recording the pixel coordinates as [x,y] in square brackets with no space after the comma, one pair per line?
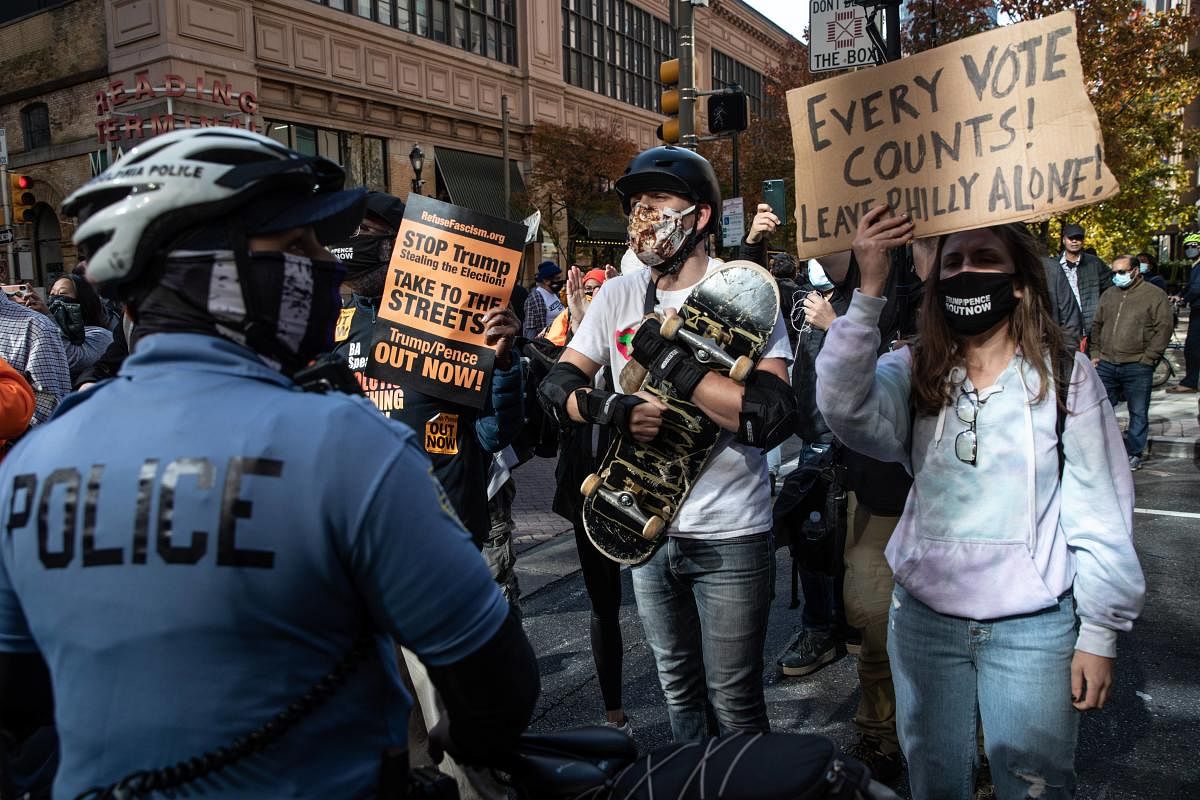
[994,128]
[449,267]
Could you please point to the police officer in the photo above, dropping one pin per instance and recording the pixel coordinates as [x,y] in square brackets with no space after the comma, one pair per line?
[213,575]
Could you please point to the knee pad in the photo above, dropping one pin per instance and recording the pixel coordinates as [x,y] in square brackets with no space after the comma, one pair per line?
[768,415]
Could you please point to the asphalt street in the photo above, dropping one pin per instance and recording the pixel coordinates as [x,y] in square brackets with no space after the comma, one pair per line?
[1142,745]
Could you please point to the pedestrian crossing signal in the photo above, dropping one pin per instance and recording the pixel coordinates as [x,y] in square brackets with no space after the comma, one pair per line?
[728,112]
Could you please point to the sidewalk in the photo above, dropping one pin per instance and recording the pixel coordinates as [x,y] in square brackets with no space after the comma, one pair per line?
[544,554]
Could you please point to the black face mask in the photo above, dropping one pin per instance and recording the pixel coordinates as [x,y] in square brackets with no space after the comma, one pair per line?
[973,302]
[69,316]
[363,252]
[292,305]
[282,306]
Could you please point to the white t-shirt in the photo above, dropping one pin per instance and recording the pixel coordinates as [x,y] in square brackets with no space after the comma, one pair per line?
[733,495]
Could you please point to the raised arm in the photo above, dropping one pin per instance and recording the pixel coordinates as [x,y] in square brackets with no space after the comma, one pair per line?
[865,399]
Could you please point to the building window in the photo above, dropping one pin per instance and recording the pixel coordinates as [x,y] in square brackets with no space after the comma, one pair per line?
[486,27]
[35,125]
[727,71]
[363,157]
[613,48]
[15,9]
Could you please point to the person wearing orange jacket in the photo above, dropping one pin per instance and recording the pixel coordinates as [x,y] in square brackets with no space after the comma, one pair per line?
[16,404]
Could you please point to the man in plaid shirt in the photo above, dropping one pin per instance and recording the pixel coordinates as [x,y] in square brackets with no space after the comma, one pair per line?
[542,305]
[32,344]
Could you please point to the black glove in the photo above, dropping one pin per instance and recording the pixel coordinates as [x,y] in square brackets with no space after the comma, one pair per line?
[666,360]
[606,408]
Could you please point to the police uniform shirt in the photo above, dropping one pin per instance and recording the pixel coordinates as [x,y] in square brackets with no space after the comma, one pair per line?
[194,544]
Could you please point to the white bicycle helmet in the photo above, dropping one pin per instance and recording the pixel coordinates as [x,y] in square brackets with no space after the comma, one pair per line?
[180,180]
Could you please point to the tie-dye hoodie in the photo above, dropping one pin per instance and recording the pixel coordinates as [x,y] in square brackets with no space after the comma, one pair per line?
[1004,537]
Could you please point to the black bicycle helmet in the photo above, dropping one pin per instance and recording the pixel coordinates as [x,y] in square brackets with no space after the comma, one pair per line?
[676,170]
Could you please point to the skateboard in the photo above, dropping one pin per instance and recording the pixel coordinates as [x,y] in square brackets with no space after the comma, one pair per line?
[639,486]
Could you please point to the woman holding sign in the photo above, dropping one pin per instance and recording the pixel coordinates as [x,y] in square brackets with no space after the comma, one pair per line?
[1013,560]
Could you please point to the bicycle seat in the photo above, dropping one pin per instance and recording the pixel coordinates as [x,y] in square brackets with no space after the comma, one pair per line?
[568,763]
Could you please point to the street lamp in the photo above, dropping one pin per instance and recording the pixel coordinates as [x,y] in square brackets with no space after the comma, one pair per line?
[417,159]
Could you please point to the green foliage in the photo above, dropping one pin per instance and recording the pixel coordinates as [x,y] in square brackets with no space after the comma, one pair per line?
[1176,272]
[1140,76]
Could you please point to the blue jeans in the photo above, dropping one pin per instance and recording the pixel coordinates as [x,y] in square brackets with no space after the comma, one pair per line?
[1191,350]
[704,606]
[1132,381]
[1014,674]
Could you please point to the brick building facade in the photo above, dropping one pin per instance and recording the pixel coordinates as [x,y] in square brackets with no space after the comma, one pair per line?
[362,81]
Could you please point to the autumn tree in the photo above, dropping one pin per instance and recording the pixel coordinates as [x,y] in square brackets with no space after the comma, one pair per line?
[935,22]
[1139,75]
[573,172]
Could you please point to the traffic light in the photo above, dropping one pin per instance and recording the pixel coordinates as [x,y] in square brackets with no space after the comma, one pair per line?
[668,74]
[728,112]
[19,190]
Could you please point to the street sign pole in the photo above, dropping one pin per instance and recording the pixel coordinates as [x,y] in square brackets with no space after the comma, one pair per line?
[892,23]
[8,220]
[687,75]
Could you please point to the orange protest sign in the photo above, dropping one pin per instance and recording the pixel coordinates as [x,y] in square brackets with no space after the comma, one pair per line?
[449,267]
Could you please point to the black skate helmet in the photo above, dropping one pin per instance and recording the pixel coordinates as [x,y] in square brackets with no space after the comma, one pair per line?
[676,170]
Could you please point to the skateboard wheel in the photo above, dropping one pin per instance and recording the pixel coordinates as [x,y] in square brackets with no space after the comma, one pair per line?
[653,528]
[590,484]
[741,369]
[671,326]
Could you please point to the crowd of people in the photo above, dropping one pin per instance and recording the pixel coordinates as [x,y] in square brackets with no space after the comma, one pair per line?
[213,555]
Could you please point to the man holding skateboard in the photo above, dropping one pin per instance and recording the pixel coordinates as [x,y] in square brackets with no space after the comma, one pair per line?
[704,595]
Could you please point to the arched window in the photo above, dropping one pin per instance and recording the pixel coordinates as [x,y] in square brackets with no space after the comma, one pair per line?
[35,124]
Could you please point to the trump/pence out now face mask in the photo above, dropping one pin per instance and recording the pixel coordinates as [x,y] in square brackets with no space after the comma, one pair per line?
[973,302]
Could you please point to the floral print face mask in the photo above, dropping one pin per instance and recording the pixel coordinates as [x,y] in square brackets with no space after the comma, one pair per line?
[657,234]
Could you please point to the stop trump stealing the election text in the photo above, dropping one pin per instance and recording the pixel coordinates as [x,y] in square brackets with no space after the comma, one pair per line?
[449,267]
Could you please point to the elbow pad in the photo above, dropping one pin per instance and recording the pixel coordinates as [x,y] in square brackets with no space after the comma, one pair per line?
[768,415]
[559,384]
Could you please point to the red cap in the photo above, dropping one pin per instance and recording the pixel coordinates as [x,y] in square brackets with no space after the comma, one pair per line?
[597,275]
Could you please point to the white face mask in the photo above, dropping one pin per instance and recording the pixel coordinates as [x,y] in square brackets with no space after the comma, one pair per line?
[630,263]
[657,234]
[817,276]
[1191,251]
